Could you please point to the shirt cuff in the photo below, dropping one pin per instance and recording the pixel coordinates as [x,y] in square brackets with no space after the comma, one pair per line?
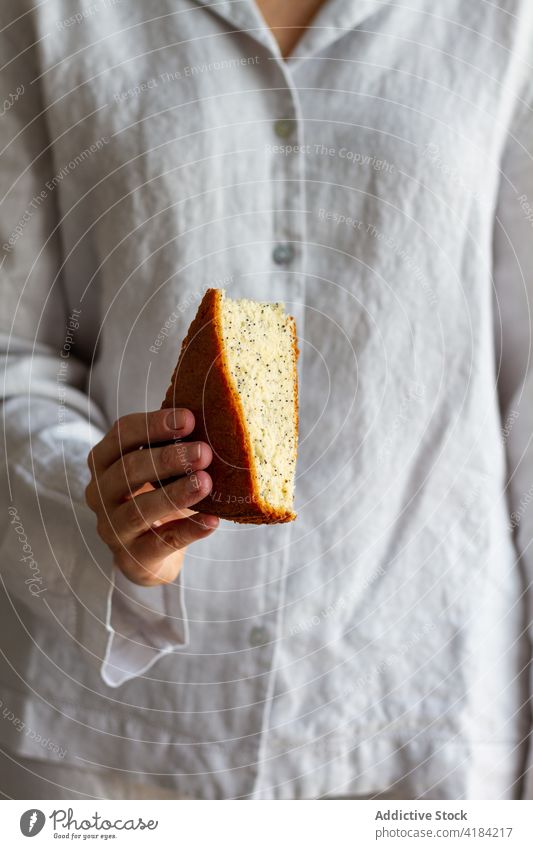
[144,624]
[127,628]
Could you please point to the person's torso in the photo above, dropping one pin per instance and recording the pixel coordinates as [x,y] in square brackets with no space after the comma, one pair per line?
[358,185]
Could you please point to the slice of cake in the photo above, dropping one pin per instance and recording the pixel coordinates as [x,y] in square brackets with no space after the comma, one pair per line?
[237,373]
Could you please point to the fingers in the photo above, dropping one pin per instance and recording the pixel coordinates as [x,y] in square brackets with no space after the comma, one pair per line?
[154,557]
[130,432]
[133,470]
[147,529]
[134,517]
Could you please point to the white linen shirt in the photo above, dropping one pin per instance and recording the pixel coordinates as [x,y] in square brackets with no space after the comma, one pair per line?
[380,183]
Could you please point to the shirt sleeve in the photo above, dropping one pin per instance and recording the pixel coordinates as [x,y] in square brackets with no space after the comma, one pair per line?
[513,280]
[51,557]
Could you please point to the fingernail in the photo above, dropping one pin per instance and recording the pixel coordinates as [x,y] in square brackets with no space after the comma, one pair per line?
[194,483]
[193,452]
[176,420]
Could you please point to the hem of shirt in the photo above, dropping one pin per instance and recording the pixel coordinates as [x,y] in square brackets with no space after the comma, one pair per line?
[429,767]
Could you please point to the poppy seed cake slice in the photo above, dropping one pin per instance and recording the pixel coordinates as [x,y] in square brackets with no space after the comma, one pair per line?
[237,373]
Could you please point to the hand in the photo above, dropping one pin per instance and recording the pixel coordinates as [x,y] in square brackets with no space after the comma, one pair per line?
[148,529]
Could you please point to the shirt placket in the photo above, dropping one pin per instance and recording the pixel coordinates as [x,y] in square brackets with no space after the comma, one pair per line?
[283,128]
[286,148]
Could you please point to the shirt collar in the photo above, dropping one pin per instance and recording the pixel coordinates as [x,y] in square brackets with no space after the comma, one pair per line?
[333,20]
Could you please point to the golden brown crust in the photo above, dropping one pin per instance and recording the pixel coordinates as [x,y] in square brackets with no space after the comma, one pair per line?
[202,383]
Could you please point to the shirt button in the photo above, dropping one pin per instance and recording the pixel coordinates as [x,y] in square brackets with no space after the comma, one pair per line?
[258,636]
[284,128]
[283,254]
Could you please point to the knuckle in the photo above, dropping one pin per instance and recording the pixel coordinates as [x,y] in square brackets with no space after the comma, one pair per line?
[169,458]
[174,539]
[89,496]
[105,531]
[176,493]
[91,462]
[133,517]
[114,432]
[118,424]
[118,431]
[128,464]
